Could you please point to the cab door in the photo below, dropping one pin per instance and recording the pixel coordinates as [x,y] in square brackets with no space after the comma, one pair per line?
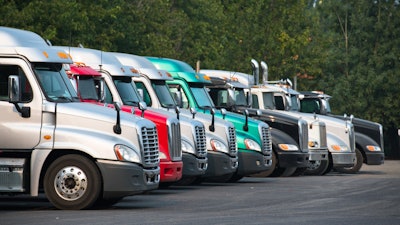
[17,132]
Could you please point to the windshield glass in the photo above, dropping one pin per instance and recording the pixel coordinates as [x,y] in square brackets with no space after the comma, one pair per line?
[54,82]
[127,91]
[268,99]
[240,97]
[309,105]
[163,94]
[87,88]
[201,96]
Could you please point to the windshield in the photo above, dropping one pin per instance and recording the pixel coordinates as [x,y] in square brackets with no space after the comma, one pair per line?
[87,88]
[54,82]
[310,105]
[240,97]
[268,100]
[163,94]
[202,97]
[127,91]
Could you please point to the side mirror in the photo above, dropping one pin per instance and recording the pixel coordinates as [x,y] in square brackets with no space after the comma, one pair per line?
[102,91]
[14,95]
[193,111]
[223,112]
[142,107]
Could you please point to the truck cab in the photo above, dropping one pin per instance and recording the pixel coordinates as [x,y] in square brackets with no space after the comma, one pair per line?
[221,141]
[291,135]
[253,136]
[340,134]
[54,143]
[118,87]
[368,134]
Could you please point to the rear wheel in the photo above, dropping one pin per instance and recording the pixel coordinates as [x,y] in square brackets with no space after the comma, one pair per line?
[357,165]
[72,182]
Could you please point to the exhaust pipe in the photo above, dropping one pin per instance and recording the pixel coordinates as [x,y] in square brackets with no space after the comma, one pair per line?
[264,71]
[256,71]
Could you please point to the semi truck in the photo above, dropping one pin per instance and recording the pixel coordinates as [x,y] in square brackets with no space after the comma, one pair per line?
[340,134]
[368,135]
[78,154]
[253,136]
[118,87]
[291,135]
[221,140]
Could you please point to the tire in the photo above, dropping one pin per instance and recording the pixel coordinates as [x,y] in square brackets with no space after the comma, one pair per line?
[269,172]
[284,172]
[357,166]
[299,171]
[330,165]
[72,182]
[317,167]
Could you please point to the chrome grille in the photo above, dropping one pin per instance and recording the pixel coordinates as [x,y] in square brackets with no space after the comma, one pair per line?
[201,141]
[303,135]
[266,140]
[174,135]
[149,140]
[232,141]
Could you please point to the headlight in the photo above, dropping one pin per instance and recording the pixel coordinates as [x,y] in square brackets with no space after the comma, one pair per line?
[218,146]
[287,147]
[373,148]
[340,148]
[187,147]
[252,145]
[124,153]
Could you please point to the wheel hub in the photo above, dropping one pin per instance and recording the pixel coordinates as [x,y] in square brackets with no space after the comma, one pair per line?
[70,183]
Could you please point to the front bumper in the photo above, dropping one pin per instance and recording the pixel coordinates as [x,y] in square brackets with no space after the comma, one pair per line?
[220,164]
[251,162]
[170,171]
[374,158]
[193,166]
[122,179]
[318,154]
[293,159]
[343,159]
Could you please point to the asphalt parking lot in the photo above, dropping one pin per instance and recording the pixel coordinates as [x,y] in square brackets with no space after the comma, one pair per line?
[370,197]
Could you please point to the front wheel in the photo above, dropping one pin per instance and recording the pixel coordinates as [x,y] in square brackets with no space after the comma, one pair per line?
[357,165]
[317,167]
[72,182]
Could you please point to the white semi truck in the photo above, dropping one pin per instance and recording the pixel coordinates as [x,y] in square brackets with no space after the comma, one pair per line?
[79,154]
